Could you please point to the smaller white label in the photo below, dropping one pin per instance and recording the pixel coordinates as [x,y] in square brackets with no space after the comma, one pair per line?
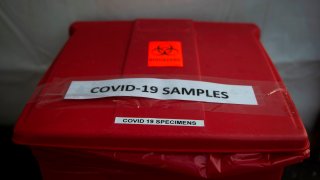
[159,121]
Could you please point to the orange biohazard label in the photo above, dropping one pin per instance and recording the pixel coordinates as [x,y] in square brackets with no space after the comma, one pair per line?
[165,54]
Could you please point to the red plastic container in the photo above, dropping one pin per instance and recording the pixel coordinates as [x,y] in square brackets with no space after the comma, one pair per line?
[78,139]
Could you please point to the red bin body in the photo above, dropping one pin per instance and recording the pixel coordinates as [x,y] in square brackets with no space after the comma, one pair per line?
[79,139]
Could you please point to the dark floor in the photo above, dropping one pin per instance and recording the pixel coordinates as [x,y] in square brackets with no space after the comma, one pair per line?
[18,162]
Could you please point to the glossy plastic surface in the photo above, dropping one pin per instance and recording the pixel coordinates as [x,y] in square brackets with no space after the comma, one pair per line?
[217,50]
[237,140]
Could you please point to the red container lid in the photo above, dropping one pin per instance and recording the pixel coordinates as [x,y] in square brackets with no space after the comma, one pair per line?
[227,53]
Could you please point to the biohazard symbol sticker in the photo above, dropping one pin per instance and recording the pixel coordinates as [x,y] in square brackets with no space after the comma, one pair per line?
[165,54]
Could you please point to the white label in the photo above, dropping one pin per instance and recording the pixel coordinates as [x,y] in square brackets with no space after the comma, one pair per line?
[159,121]
[164,89]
